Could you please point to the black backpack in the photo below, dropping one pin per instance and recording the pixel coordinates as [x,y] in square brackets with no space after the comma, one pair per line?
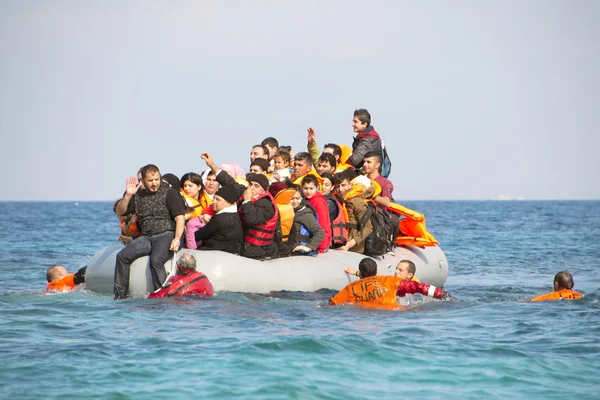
[382,237]
[386,164]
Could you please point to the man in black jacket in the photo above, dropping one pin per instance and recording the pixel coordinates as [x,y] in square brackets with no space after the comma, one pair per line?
[258,211]
[224,231]
[160,211]
[366,140]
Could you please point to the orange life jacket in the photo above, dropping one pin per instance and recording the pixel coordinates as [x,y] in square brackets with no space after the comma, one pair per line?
[130,228]
[339,232]
[564,294]
[205,200]
[374,291]
[413,231]
[66,283]
[193,204]
[264,234]
[286,212]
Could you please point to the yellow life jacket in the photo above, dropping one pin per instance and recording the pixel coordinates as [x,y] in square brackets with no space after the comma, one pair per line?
[346,153]
[205,200]
[286,212]
[298,181]
[193,204]
[342,165]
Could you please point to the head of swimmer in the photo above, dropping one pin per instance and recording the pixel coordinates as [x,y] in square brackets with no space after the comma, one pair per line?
[56,272]
[405,270]
[367,267]
[563,280]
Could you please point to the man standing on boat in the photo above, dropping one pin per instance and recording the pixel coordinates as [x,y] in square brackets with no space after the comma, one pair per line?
[160,212]
[366,140]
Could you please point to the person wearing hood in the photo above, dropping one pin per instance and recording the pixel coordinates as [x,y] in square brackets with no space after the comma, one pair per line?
[366,140]
[224,230]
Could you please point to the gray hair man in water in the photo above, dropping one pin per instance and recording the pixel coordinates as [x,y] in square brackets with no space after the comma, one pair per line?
[160,210]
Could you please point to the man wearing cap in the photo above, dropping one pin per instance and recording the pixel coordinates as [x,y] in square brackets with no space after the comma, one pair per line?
[223,231]
[259,166]
[257,209]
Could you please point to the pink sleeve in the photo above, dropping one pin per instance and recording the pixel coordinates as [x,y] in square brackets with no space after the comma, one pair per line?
[190,232]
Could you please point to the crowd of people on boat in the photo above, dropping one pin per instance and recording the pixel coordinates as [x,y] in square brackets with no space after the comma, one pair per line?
[300,204]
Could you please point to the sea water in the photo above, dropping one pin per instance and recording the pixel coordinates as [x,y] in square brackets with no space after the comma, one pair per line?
[491,343]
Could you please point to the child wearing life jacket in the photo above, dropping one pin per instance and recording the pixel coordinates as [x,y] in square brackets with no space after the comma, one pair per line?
[405,270]
[60,280]
[563,289]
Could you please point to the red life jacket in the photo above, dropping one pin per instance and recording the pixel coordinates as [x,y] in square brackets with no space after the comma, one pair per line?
[179,285]
[339,232]
[264,234]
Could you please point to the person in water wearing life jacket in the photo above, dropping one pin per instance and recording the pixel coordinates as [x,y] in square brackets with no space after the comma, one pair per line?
[191,190]
[371,290]
[128,225]
[281,165]
[224,230]
[310,190]
[186,281]
[308,233]
[160,212]
[355,201]
[60,280]
[563,289]
[259,166]
[366,140]
[303,167]
[257,209]
[405,270]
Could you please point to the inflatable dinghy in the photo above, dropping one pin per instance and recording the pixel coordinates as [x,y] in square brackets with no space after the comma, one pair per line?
[233,273]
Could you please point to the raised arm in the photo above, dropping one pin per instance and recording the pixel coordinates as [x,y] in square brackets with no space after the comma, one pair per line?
[131,188]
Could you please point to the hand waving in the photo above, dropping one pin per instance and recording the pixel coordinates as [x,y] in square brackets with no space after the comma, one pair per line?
[311,135]
[132,186]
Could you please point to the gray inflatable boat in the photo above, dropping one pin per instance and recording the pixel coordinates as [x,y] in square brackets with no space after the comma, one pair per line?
[233,273]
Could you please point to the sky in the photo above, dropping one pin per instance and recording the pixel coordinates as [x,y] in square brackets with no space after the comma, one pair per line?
[474,99]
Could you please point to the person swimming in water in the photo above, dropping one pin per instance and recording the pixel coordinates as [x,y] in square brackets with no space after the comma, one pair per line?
[405,270]
[60,280]
[186,281]
[563,289]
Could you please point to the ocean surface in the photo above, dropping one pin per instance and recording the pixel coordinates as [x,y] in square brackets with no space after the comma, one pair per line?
[491,343]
